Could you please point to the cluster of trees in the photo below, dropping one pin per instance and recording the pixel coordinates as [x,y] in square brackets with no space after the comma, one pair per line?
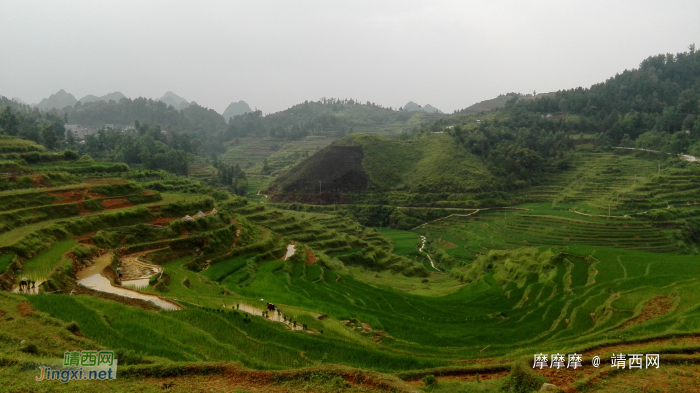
[229,176]
[654,107]
[295,123]
[662,95]
[199,123]
[517,156]
[147,146]
[23,122]
[320,117]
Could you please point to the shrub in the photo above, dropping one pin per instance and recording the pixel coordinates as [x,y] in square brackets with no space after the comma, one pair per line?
[429,380]
[70,155]
[28,347]
[73,327]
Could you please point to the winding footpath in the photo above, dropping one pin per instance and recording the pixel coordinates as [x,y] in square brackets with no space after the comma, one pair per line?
[423,240]
[685,157]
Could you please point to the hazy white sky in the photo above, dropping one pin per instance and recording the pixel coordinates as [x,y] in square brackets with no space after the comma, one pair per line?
[274,54]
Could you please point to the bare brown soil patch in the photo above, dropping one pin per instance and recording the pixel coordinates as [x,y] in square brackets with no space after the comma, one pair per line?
[162,221]
[446,244]
[310,257]
[236,378]
[463,377]
[86,238]
[655,308]
[116,203]
[668,378]
[68,196]
[25,308]
[106,181]
[564,377]
[627,347]
[38,181]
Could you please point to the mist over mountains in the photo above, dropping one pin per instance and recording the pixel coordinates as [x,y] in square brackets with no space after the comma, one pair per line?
[236,109]
[413,107]
[174,100]
[116,96]
[59,100]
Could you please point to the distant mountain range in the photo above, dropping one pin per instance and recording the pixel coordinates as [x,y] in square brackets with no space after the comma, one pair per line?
[174,100]
[116,96]
[235,109]
[62,99]
[59,100]
[413,107]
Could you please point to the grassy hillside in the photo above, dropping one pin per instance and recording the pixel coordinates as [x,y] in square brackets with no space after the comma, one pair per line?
[284,138]
[362,162]
[598,259]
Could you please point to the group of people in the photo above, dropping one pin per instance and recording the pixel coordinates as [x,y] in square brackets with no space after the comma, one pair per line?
[25,284]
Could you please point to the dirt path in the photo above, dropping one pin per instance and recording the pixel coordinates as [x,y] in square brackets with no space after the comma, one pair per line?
[275,316]
[291,249]
[442,218]
[685,157]
[423,240]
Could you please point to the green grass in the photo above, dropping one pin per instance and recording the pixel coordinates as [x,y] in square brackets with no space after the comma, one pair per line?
[39,267]
[405,243]
[5,261]
[432,163]
[510,290]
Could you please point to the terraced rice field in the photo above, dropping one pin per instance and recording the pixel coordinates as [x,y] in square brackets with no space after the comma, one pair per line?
[539,277]
[467,237]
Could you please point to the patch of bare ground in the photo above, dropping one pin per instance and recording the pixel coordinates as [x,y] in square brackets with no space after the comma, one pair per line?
[654,308]
[693,340]
[463,377]
[86,238]
[68,196]
[448,245]
[310,257]
[235,378]
[116,203]
[564,377]
[162,221]
[483,361]
[24,309]
[668,378]
[105,181]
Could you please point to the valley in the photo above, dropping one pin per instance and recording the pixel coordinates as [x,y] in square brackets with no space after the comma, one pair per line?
[292,252]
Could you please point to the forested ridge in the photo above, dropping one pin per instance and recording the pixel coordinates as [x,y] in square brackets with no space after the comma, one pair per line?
[654,107]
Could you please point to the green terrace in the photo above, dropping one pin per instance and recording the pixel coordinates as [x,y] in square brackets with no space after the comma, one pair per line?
[466,237]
